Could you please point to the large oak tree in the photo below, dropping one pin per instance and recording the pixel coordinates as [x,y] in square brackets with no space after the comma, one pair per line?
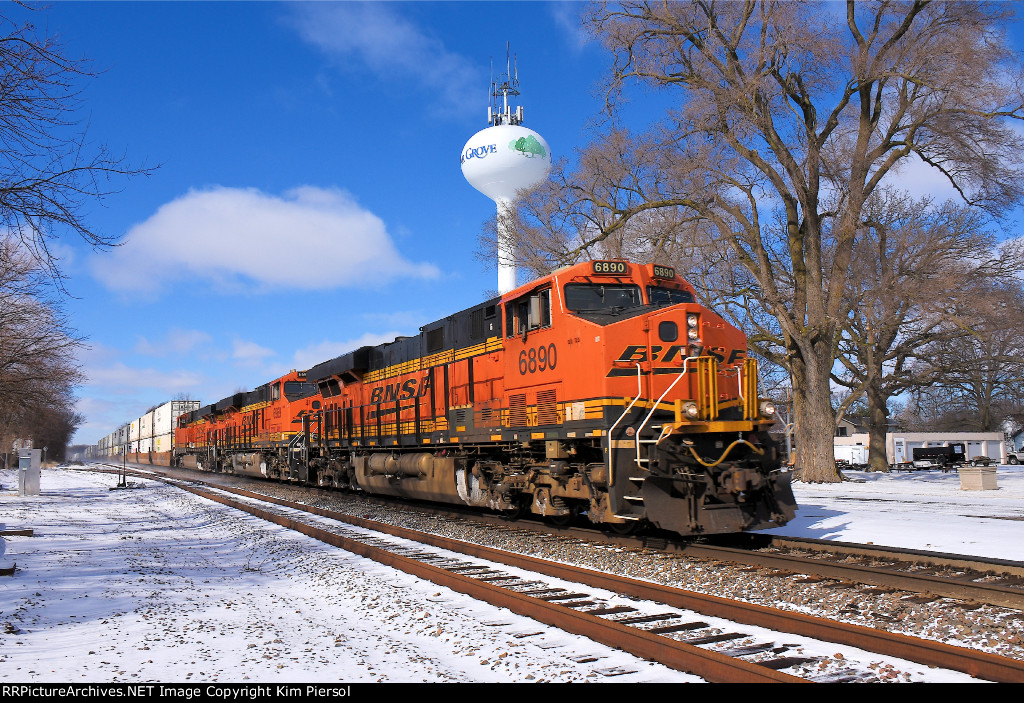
[789,117]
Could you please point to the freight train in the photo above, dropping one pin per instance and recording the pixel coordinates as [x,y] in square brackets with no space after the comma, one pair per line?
[601,390]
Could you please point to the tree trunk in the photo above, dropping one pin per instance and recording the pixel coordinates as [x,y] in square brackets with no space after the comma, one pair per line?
[878,424]
[816,424]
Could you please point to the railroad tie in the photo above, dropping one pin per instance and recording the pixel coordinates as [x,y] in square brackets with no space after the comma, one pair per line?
[711,639]
[747,649]
[562,596]
[786,662]
[539,591]
[648,618]
[678,627]
[612,610]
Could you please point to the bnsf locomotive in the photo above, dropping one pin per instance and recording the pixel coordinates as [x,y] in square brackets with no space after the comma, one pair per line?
[602,389]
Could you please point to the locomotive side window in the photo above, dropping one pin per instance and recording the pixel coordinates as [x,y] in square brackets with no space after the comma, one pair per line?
[594,297]
[668,296]
[528,313]
[275,391]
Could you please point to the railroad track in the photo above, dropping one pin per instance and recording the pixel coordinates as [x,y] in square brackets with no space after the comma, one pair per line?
[929,574]
[677,639]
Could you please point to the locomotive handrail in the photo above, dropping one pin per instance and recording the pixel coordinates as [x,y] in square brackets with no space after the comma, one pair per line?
[611,449]
[739,387]
[654,407]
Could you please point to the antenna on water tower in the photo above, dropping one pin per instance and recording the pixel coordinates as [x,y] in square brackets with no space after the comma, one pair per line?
[505,161]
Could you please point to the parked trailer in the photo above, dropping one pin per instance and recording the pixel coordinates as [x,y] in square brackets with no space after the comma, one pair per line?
[851,454]
[944,458]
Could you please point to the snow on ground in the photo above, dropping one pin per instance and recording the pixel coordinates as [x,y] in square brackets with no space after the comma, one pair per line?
[155,584]
[915,510]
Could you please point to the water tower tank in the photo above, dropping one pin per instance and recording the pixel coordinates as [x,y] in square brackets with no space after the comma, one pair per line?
[503,162]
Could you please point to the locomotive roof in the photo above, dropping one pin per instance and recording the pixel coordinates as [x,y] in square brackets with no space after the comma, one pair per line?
[455,330]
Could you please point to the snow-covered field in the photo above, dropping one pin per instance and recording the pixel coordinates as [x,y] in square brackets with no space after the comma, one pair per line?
[916,510]
[155,584]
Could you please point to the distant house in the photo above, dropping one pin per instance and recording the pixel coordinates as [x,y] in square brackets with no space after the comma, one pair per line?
[848,428]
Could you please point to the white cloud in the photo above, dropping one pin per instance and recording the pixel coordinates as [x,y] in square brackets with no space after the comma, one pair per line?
[376,37]
[310,356]
[567,17]
[919,179]
[250,352]
[176,343]
[120,378]
[311,238]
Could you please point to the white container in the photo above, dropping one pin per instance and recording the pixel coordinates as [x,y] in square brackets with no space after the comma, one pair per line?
[147,429]
[165,418]
[163,443]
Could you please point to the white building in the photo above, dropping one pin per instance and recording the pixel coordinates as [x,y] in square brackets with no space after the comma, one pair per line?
[899,446]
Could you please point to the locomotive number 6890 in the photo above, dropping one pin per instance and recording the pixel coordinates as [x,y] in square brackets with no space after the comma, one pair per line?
[537,359]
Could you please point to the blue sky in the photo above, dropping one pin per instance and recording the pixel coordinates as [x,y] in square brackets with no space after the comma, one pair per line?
[309,197]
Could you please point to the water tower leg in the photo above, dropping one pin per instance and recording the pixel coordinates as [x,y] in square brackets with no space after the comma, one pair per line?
[506,247]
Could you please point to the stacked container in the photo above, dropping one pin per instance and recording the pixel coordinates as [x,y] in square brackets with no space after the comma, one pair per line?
[152,432]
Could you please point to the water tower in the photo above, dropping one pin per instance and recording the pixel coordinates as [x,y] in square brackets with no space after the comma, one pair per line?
[504,162]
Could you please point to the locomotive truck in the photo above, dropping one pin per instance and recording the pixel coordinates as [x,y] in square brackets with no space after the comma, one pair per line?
[603,389]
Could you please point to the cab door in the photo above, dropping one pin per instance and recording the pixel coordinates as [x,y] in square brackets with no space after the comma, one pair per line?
[532,374]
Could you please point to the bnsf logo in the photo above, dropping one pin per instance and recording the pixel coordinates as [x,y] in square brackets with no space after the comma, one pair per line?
[393,392]
[638,353]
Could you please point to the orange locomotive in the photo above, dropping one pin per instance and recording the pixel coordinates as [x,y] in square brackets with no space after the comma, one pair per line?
[603,389]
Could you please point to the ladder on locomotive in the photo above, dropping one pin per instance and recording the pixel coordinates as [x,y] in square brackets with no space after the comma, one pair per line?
[643,442]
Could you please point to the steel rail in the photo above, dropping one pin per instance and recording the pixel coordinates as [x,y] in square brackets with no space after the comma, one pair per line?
[876,575]
[935,559]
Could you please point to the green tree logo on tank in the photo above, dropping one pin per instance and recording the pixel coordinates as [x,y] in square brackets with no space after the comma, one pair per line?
[528,146]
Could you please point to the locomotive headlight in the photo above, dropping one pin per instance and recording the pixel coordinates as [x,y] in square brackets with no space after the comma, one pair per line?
[692,333]
[690,410]
[767,408]
[691,320]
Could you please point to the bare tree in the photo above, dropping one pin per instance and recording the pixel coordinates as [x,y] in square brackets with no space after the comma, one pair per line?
[37,347]
[790,117]
[918,272]
[978,376]
[48,168]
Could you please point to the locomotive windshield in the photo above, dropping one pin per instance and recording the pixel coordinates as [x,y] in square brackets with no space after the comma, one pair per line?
[668,296]
[297,389]
[595,297]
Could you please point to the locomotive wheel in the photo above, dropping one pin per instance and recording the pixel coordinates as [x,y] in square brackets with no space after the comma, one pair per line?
[564,520]
[514,513]
[630,527]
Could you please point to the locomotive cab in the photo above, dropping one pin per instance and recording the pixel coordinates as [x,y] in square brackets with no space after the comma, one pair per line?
[623,353]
